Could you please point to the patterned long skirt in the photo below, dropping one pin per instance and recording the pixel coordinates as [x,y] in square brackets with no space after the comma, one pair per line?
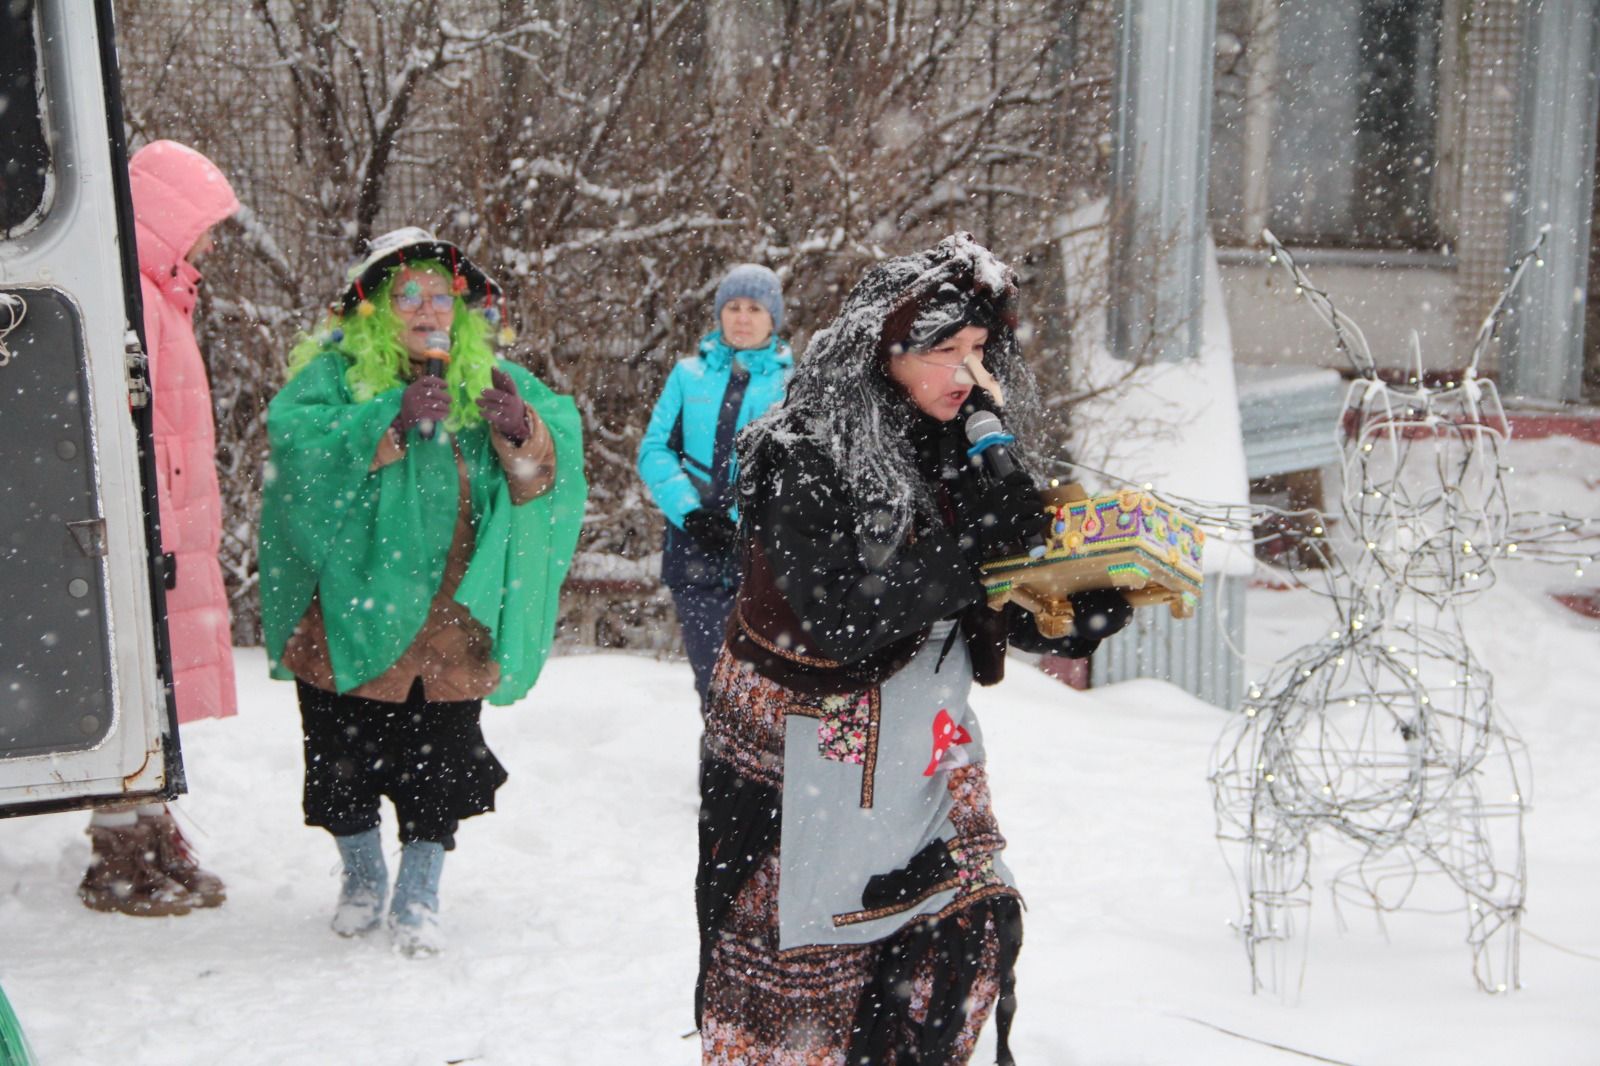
[919,996]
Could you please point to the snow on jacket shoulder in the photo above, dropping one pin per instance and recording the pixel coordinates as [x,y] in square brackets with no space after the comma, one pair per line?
[692,399]
[844,601]
[178,194]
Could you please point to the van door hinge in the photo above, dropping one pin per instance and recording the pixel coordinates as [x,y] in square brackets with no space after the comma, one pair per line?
[90,536]
[138,370]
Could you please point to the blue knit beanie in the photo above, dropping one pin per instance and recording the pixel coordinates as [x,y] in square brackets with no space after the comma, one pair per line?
[755,282]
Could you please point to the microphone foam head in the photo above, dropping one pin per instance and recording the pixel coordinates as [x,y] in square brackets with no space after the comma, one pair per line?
[982,423]
[439,340]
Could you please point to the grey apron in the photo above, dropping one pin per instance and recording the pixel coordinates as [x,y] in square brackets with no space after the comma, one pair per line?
[858,799]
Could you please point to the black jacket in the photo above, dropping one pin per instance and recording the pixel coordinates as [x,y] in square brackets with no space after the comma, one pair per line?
[823,609]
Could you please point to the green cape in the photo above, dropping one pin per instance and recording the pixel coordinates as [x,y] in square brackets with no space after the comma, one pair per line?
[375,542]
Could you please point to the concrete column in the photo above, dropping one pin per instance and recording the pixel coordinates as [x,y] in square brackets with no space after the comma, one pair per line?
[1554,186]
[1158,200]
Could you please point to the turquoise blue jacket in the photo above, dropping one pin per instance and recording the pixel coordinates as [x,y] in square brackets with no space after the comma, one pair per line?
[693,393]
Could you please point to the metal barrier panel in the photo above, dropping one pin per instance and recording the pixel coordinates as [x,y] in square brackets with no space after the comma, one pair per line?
[1201,655]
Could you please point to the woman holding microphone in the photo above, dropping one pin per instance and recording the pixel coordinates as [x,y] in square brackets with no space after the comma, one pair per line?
[420,507]
[853,903]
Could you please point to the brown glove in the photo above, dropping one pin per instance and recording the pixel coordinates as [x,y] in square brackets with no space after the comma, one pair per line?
[503,409]
[426,399]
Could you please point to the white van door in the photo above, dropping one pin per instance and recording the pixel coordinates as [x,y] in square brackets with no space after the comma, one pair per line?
[86,710]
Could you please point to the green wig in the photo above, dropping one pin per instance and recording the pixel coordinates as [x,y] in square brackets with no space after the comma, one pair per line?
[369,339]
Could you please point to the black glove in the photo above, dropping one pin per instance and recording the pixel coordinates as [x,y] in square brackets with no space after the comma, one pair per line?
[712,530]
[1098,613]
[927,870]
[1010,513]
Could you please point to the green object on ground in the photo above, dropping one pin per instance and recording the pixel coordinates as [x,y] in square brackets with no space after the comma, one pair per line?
[13,1045]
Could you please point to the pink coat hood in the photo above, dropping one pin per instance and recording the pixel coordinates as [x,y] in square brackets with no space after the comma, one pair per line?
[178,194]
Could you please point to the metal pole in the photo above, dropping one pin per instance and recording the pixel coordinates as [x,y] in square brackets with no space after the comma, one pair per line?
[1554,188]
[1159,173]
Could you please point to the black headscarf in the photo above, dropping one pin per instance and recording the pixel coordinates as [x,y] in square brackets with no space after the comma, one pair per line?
[843,401]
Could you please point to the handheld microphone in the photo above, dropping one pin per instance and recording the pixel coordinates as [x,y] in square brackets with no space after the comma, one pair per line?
[988,437]
[437,353]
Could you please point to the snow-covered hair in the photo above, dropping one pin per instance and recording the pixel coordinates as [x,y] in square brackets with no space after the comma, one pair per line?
[843,402]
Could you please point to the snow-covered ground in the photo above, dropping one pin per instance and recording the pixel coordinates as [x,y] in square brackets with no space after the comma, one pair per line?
[571,915]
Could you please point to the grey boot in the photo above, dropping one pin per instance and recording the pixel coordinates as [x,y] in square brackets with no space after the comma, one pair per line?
[414,911]
[362,885]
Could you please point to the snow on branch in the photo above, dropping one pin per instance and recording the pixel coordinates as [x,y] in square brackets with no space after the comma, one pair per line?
[524,262]
[616,197]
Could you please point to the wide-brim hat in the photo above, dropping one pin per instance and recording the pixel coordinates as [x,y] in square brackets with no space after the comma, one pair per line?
[409,245]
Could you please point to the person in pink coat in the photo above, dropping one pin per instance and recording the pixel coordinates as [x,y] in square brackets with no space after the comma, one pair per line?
[178,196]
[142,864]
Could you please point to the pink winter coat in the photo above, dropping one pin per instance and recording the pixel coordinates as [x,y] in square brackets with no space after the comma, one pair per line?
[177,195]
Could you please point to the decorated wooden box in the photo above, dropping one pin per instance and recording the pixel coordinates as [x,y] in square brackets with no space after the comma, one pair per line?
[1128,540]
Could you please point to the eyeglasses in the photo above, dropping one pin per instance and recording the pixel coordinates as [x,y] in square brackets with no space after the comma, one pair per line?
[928,360]
[957,370]
[442,302]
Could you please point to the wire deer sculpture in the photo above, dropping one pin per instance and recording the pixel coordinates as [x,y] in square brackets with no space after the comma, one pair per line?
[1385,734]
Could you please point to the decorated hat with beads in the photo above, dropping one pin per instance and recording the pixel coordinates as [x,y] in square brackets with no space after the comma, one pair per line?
[409,245]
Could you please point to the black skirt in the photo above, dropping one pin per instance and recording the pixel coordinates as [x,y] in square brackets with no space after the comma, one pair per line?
[429,758]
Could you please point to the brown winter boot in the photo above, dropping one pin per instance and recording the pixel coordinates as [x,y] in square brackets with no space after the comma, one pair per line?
[124,877]
[177,861]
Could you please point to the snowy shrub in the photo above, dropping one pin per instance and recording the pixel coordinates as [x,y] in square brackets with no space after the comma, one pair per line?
[607,160]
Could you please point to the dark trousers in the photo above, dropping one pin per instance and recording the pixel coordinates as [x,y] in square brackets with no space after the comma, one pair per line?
[703,617]
[429,758]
